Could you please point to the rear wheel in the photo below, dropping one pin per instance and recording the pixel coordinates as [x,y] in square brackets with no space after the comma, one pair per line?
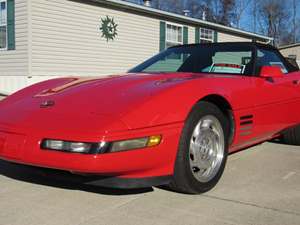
[292,136]
[203,150]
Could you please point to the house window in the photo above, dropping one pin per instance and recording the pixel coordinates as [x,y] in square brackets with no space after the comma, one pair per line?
[174,35]
[206,35]
[3,24]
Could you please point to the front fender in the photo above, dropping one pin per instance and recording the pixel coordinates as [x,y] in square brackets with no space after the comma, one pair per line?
[170,105]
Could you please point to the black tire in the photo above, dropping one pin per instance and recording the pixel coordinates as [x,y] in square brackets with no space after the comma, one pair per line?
[292,136]
[183,179]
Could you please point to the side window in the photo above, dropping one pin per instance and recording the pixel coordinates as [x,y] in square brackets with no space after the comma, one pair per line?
[269,58]
[170,63]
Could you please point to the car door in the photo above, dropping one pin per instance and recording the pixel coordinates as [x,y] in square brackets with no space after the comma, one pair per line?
[277,99]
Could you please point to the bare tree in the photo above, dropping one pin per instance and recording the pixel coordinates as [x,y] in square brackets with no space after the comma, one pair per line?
[201,9]
[239,10]
[169,5]
[254,12]
[219,11]
[298,31]
[227,14]
[273,18]
[197,8]
[294,21]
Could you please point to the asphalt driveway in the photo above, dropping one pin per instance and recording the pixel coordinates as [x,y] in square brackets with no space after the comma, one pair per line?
[260,186]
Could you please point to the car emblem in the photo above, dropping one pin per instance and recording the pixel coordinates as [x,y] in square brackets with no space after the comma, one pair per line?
[48,103]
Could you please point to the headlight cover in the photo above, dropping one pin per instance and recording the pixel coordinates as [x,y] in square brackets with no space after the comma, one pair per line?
[101,147]
[74,147]
[119,146]
[131,144]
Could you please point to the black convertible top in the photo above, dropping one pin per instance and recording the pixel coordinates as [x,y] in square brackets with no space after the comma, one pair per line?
[188,58]
[242,44]
[292,66]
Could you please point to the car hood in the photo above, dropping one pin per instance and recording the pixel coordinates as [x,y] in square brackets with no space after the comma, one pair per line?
[108,102]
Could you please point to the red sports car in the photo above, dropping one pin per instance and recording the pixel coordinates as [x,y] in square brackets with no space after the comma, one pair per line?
[171,120]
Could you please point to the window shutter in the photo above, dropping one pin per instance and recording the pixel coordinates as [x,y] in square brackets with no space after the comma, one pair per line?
[185,35]
[215,36]
[11,25]
[197,35]
[162,36]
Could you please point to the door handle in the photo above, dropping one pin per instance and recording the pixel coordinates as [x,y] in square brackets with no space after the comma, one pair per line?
[296,82]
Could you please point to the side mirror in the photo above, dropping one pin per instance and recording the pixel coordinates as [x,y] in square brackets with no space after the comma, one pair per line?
[271,71]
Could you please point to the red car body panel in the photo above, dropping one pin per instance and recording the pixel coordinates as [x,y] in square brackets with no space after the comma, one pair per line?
[137,105]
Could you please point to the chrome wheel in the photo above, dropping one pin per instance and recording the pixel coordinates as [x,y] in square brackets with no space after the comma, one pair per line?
[207,147]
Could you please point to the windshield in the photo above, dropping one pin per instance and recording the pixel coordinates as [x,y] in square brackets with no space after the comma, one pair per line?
[228,59]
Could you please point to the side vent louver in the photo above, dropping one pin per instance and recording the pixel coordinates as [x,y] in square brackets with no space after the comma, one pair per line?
[246,123]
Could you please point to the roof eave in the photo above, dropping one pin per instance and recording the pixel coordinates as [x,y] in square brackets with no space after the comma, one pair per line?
[289,46]
[184,19]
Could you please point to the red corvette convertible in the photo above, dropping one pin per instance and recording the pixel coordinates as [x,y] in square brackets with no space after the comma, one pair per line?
[171,120]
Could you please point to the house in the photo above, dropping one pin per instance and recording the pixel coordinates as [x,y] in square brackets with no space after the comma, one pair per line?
[43,39]
[291,51]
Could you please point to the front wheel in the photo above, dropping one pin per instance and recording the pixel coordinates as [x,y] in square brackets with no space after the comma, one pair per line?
[203,150]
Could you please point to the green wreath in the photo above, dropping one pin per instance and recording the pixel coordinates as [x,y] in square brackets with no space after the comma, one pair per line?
[108,28]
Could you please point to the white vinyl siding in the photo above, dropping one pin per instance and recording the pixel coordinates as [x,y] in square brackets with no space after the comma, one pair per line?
[14,63]
[225,37]
[191,33]
[66,39]
[291,51]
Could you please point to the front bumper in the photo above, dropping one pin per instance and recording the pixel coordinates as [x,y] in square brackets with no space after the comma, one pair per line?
[58,177]
[23,146]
